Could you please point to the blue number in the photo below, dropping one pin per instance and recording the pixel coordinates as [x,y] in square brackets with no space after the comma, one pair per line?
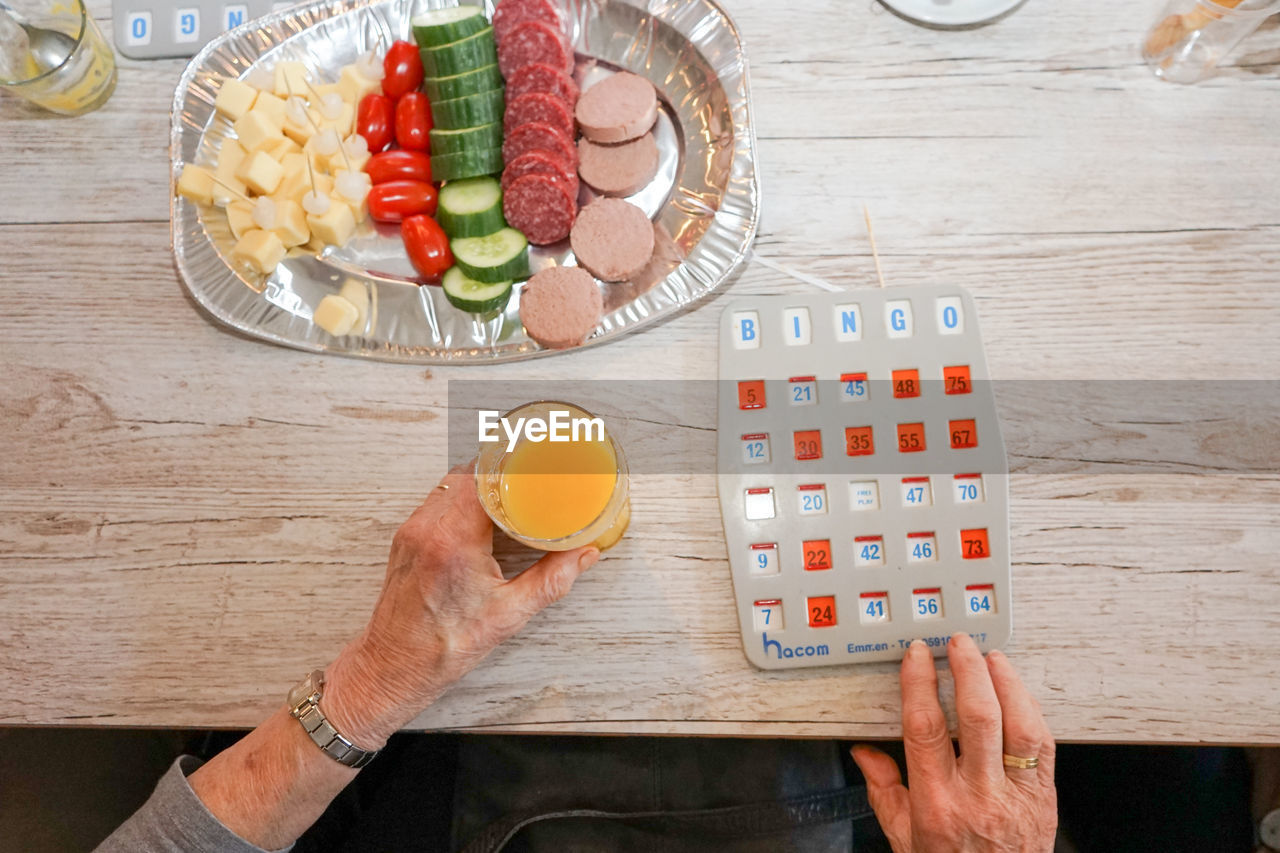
[748,330]
[870,552]
[755,449]
[138,27]
[766,611]
[801,393]
[915,494]
[762,560]
[875,607]
[922,551]
[977,604]
[950,318]
[795,325]
[187,24]
[968,492]
[927,606]
[855,388]
[812,503]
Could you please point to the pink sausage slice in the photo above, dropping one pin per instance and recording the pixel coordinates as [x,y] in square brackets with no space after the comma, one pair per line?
[533,41]
[617,108]
[612,238]
[619,169]
[541,207]
[561,306]
[541,77]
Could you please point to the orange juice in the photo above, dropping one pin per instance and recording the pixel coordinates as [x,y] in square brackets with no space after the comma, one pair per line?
[551,492]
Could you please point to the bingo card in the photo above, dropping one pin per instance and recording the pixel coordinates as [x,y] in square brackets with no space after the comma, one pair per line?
[862,475]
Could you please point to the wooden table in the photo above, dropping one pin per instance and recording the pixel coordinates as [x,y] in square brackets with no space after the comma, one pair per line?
[190,519]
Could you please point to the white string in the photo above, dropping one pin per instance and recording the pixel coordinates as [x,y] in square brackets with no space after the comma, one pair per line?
[820,283]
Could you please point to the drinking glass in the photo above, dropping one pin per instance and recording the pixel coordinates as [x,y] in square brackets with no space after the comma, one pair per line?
[497,486]
[1190,37]
[78,83]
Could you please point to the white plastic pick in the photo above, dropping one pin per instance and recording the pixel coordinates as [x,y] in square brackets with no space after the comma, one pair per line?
[314,203]
[261,79]
[326,142]
[331,106]
[370,66]
[355,146]
[352,186]
[264,213]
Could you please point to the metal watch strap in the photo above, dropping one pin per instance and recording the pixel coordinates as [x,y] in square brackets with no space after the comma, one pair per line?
[304,705]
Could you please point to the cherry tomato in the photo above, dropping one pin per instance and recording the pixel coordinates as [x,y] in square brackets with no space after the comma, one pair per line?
[394,200]
[413,122]
[403,67]
[427,245]
[399,165]
[375,121]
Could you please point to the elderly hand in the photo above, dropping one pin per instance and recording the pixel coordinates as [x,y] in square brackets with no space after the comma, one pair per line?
[444,606]
[971,802]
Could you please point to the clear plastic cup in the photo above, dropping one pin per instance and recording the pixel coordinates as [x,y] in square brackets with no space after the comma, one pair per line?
[506,495]
[81,82]
[1190,37]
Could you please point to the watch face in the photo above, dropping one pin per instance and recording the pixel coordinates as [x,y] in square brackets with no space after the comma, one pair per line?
[1269,830]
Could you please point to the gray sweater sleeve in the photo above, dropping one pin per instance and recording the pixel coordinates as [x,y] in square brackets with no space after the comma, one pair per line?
[174,820]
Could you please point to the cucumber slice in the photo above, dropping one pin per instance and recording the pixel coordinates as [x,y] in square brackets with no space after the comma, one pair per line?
[466,138]
[475,51]
[441,26]
[477,297]
[495,257]
[466,164]
[471,111]
[461,85]
[471,207]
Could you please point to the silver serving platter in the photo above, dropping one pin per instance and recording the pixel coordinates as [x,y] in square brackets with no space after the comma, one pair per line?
[705,200]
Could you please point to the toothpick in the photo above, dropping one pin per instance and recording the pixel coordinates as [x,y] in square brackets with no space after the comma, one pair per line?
[232,190]
[871,235]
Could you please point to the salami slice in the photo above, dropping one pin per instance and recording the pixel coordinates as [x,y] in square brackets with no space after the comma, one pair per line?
[561,306]
[540,77]
[538,107]
[512,13]
[538,162]
[540,207]
[534,41]
[539,136]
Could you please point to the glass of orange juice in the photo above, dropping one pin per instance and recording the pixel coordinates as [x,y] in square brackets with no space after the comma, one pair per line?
[558,487]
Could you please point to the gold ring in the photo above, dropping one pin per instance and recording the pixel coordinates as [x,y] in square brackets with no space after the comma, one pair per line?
[444,486]
[1021,763]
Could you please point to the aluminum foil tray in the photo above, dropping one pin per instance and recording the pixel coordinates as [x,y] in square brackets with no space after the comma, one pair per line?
[705,200]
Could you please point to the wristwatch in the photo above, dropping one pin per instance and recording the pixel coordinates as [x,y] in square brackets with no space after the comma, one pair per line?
[1269,830]
[304,705]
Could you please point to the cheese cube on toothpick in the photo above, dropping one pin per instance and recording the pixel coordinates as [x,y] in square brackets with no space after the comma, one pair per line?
[271,107]
[334,227]
[240,218]
[291,224]
[196,183]
[259,250]
[235,98]
[261,172]
[354,86]
[290,77]
[255,130]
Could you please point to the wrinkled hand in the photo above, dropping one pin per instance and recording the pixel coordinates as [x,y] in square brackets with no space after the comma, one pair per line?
[969,803]
[444,606]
